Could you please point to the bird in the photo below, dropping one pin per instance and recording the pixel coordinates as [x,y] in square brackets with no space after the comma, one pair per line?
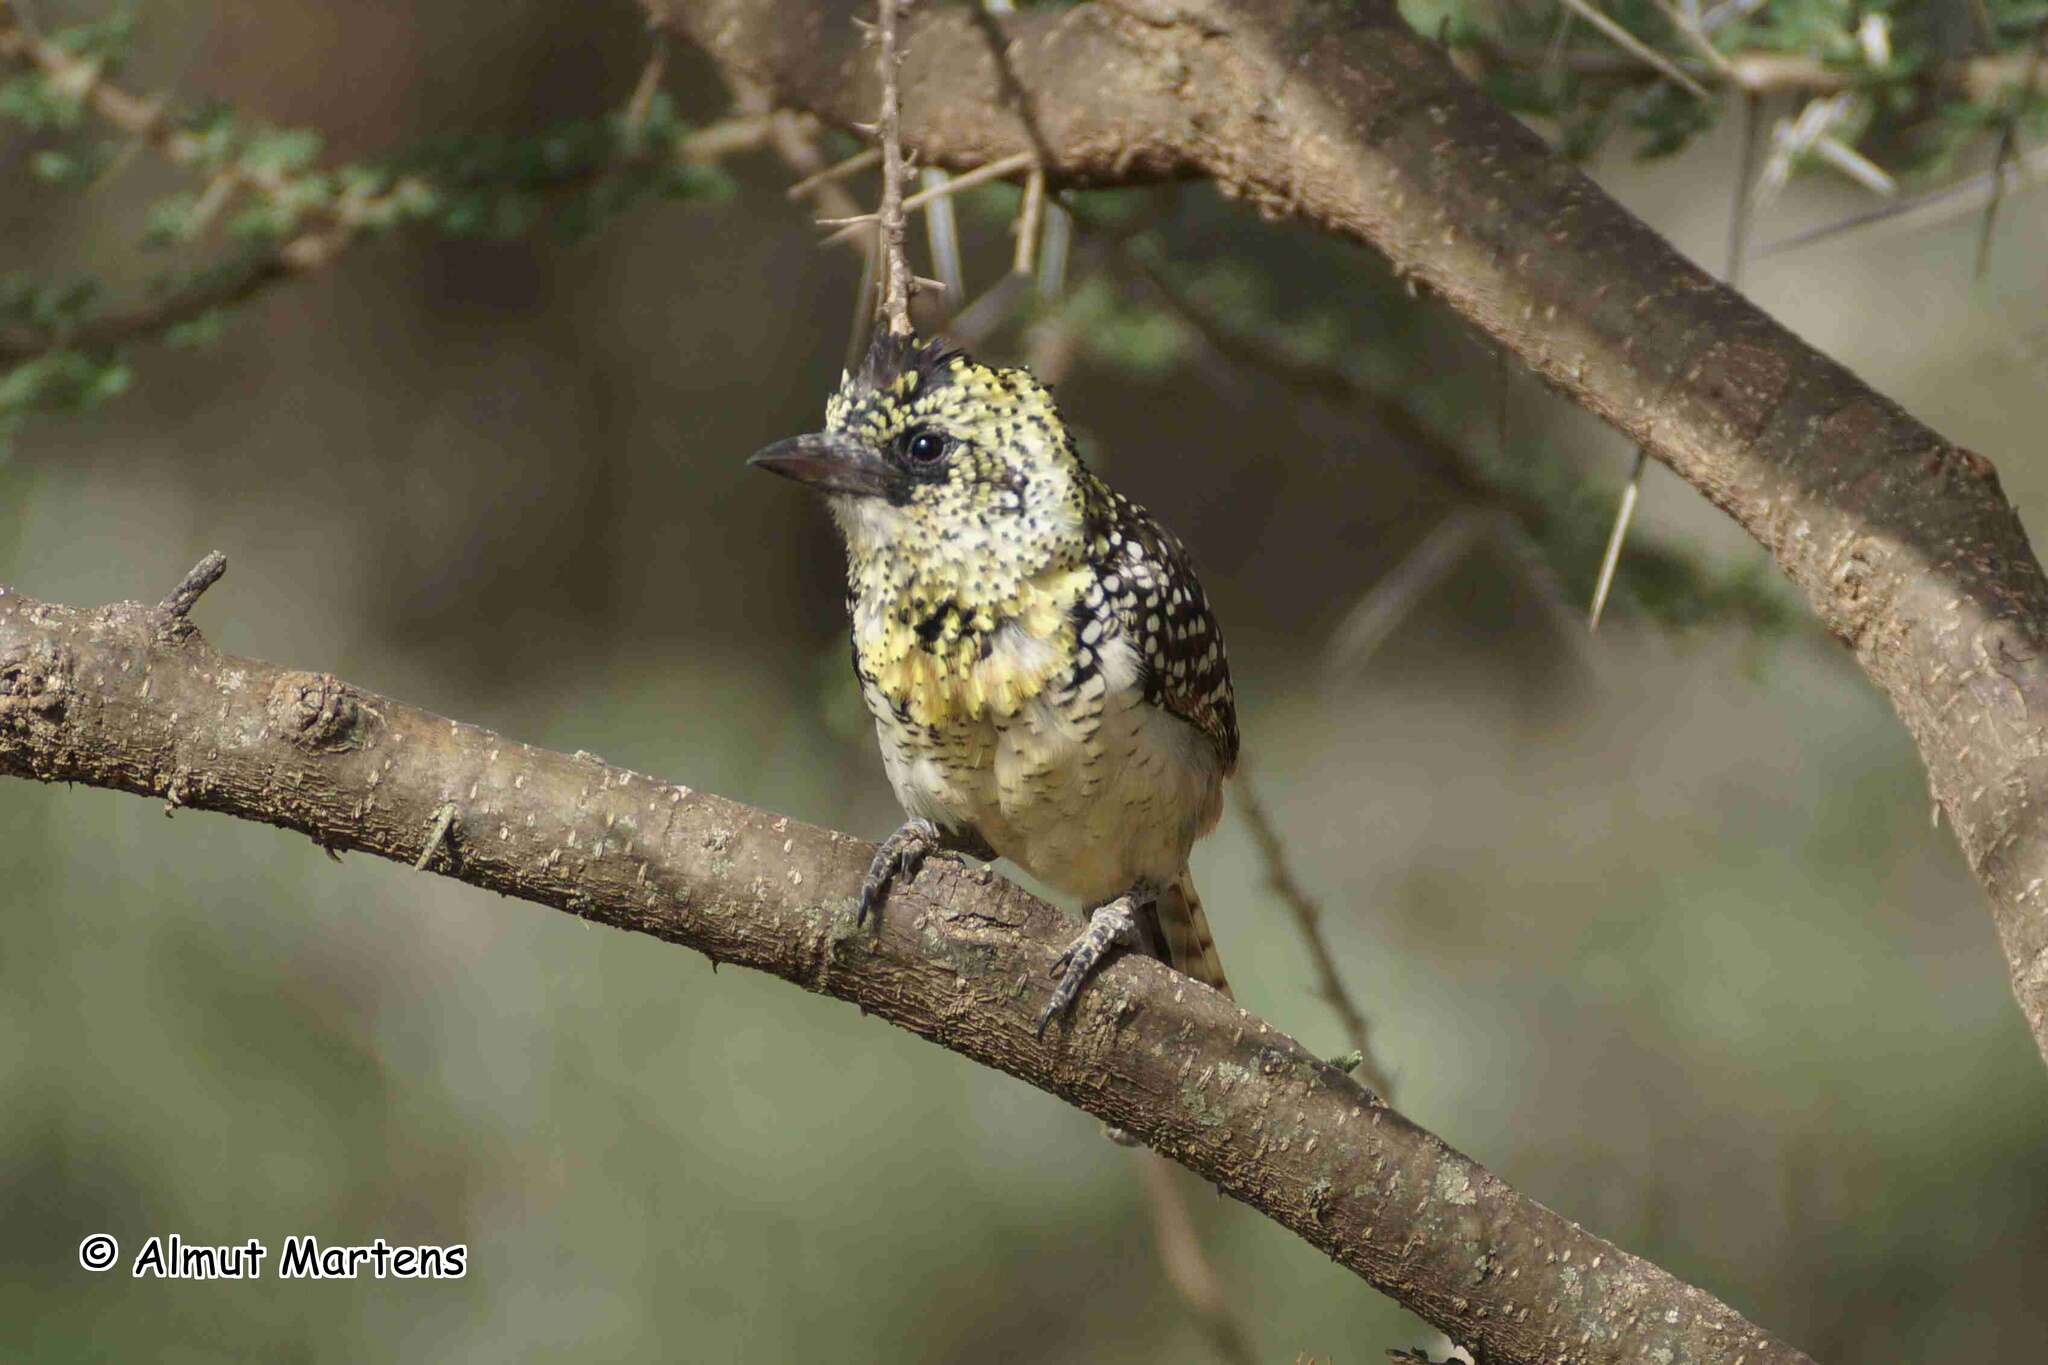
[1046,676]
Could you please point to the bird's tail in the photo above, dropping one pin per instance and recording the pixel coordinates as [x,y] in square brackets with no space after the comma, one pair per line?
[1183,933]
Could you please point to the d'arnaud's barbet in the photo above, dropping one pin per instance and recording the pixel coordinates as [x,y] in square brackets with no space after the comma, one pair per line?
[1046,679]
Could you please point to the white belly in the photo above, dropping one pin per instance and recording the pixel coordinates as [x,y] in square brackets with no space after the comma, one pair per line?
[1091,797]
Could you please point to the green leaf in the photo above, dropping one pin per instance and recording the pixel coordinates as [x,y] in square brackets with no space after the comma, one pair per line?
[279,151]
[35,104]
[197,333]
[171,220]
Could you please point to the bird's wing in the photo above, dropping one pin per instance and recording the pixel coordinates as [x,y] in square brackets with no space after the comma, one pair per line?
[1145,576]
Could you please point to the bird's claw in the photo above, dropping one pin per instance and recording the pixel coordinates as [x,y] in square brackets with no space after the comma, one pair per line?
[1114,925]
[900,855]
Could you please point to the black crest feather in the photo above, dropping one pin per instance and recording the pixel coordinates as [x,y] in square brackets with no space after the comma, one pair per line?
[890,356]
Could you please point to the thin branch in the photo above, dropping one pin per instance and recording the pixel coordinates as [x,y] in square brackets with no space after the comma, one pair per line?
[1637,48]
[1394,597]
[2009,145]
[1308,918]
[146,121]
[444,824]
[1056,241]
[641,103]
[896,285]
[105,697]
[186,595]
[329,228]
[1697,36]
[1610,558]
[1739,218]
[1029,214]
[1932,209]
[222,289]
[1187,1265]
[1742,214]
[942,237]
[966,180]
[832,175]
[1759,72]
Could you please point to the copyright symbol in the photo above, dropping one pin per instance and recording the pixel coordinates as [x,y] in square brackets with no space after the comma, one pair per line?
[98,1252]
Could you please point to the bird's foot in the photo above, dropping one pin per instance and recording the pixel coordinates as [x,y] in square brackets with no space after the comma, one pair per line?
[900,855]
[1114,925]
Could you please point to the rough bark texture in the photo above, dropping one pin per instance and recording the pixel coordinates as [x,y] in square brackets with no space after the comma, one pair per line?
[1333,111]
[132,698]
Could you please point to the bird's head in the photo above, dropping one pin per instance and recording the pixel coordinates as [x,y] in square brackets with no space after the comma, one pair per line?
[927,453]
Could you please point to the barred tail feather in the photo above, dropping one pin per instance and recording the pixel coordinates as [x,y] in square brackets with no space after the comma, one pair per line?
[1183,934]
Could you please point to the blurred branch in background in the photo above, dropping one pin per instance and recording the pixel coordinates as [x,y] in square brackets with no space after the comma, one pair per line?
[1187,1265]
[1308,917]
[285,214]
[132,698]
[1539,506]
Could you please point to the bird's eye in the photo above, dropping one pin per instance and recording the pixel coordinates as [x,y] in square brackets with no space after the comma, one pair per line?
[926,447]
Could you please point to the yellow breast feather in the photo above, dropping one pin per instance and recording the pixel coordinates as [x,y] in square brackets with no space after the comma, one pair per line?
[988,666]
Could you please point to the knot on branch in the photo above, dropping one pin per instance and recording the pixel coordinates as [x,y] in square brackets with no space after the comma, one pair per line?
[35,686]
[319,713]
[1946,460]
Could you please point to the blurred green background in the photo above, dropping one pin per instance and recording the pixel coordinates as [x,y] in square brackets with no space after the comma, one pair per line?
[1652,923]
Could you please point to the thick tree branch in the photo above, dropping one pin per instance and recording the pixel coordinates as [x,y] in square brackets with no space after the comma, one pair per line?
[1334,112]
[131,697]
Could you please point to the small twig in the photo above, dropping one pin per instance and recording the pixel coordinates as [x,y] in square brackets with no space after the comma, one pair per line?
[1637,48]
[1758,71]
[1926,210]
[444,821]
[1055,245]
[716,141]
[832,175]
[1330,383]
[794,142]
[1308,917]
[1738,245]
[864,299]
[896,286]
[1611,559]
[1697,36]
[2008,148]
[641,103]
[1390,600]
[1743,214]
[966,180]
[1187,1265]
[2002,158]
[942,233]
[1028,222]
[1855,165]
[204,575]
[972,325]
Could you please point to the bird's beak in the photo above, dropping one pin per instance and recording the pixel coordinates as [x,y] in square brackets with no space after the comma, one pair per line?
[828,463]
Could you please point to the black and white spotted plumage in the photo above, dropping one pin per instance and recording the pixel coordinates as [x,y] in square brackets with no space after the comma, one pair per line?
[1148,586]
[1042,665]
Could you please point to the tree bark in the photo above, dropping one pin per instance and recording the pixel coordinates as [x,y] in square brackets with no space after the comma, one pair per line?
[130,697]
[1334,112]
